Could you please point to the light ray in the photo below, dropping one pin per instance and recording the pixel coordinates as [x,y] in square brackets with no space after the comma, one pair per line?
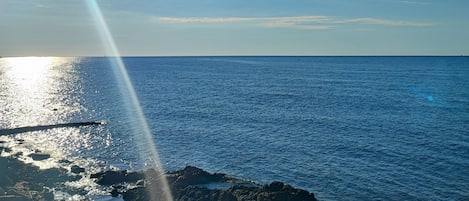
[121,73]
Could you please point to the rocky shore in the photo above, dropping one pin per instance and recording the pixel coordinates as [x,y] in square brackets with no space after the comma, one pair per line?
[20,181]
[192,184]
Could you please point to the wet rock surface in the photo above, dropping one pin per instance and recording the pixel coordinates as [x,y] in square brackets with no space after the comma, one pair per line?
[20,181]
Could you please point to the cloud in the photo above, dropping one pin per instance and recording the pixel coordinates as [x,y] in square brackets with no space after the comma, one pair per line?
[300,22]
[377,21]
[270,21]
[203,19]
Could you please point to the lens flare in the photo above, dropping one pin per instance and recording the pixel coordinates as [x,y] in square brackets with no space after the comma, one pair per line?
[144,135]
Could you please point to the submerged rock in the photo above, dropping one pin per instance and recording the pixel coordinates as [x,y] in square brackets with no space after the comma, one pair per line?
[77,169]
[39,156]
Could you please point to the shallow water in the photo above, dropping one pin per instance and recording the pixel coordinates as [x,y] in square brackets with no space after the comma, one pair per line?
[355,128]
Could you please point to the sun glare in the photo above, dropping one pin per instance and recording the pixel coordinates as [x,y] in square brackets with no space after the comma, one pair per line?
[28,72]
[161,191]
[29,87]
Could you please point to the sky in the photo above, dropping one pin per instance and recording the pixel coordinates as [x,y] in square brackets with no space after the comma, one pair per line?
[236,27]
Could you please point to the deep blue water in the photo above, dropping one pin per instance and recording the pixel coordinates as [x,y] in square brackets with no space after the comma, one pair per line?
[345,128]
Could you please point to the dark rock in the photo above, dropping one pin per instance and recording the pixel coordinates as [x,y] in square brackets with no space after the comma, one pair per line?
[39,157]
[196,194]
[6,149]
[114,192]
[18,154]
[193,176]
[150,192]
[65,161]
[274,186]
[116,177]
[222,195]
[187,185]
[77,169]
[136,194]
[276,191]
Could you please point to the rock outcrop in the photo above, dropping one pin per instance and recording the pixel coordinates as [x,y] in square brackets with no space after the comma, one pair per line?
[190,184]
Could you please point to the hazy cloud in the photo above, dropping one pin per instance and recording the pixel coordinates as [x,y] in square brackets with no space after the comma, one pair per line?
[300,22]
[386,22]
[203,19]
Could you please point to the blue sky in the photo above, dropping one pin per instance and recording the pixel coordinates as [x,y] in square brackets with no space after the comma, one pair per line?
[237,27]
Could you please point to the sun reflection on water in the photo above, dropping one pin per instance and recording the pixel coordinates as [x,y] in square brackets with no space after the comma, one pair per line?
[38,91]
[28,72]
[29,91]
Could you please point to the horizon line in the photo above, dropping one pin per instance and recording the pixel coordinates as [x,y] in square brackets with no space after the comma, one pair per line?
[260,55]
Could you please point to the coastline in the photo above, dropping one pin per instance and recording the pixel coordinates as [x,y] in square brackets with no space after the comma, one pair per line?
[22,181]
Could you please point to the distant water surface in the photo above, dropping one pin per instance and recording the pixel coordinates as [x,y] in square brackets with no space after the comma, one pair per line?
[345,128]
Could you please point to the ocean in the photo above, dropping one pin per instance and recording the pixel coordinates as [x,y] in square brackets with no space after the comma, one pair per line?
[344,128]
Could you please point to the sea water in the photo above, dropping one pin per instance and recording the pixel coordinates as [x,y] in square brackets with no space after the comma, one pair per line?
[345,128]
